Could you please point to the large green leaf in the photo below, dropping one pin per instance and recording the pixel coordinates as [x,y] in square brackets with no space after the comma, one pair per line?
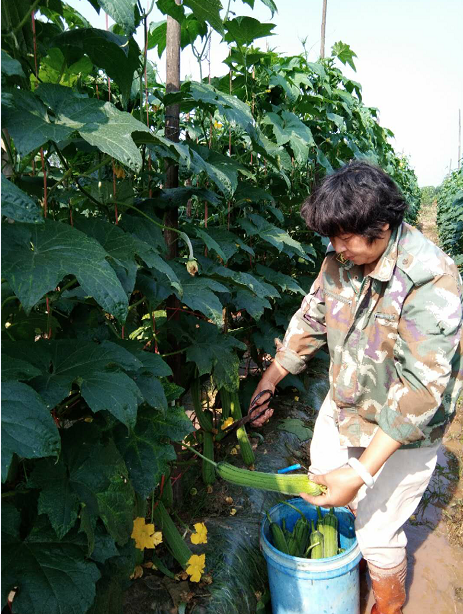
[93,367]
[27,121]
[28,429]
[223,170]
[244,30]
[18,205]
[36,258]
[122,11]
[279,238]
[144,449]
[11,67]
[277,277]
[207,11]
[56,499]
[118,56]
[115,392]
[98,475]
[157,36]
[52,575]
[214,352]
[199,294]
[152,391]
[100,123]
[17,369]
[254,305]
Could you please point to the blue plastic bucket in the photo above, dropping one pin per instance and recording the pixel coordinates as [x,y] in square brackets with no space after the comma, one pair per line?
[311,586]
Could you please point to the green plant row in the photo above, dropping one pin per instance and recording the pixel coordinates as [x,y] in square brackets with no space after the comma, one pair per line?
[99,317]
[450,216]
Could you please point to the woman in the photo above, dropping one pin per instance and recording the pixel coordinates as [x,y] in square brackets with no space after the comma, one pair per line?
[388,304]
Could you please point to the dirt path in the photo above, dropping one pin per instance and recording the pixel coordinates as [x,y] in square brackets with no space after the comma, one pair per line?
[435,532]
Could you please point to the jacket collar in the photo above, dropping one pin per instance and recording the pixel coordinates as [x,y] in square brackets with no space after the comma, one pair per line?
[385,265]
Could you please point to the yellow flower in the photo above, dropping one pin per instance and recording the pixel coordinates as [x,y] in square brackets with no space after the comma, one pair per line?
[217,125]
[200,537]
[196,564]
[119,172]
[192,267]
[144,534]
[227,423]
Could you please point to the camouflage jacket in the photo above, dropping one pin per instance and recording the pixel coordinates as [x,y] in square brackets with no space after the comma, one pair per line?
[394,338]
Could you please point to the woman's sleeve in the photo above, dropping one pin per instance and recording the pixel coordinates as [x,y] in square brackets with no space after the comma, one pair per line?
[427,355]
[306,332]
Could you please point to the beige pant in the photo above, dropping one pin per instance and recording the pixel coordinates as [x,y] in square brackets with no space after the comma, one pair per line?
[383,510]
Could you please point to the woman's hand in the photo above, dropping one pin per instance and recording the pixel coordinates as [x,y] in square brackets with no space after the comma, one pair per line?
[342,486]
[262,403]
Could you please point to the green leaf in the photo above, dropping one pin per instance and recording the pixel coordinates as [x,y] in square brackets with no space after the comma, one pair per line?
[254,305]
[115,392]
[52,575]
[285,282]
[152,391]
[295,426]
[118,56]
[98,475]
[190,30]
[207,11]
[27,122]
[17,369]
[221,169]
[18,205]
[232,108]
[82,362]
[150,363]
[214,352]
[11,67]
[169,7]
[104,546]
[323,160]
[157,36]
[122,11]
[290,89]
[98,122]
[244,30]
[28,429]
[277,237]
[271,5]
[120,246]
[144,450]
[300,136]
[36,258]
[115,509]
[229,243]
[344,53]
[56,498]
[210,242]
[198,293]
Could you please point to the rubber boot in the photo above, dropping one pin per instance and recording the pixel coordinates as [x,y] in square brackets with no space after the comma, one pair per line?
[388,588]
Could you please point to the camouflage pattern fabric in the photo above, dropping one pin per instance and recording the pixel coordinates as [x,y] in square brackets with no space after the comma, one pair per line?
[394,338]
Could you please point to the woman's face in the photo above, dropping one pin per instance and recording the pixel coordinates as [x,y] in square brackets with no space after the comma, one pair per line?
[358,250]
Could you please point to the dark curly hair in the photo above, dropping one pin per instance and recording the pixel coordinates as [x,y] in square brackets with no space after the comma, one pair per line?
[358,198]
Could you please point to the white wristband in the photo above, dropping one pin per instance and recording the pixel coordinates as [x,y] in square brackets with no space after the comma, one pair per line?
[362,472]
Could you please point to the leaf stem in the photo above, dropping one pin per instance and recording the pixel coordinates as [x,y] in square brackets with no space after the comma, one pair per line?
[199,454]
[176,352]
[26,17]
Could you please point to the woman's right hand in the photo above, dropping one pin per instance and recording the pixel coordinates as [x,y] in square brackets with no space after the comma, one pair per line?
[262,403]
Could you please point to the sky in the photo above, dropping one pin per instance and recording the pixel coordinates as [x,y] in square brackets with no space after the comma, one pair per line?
[409,63]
